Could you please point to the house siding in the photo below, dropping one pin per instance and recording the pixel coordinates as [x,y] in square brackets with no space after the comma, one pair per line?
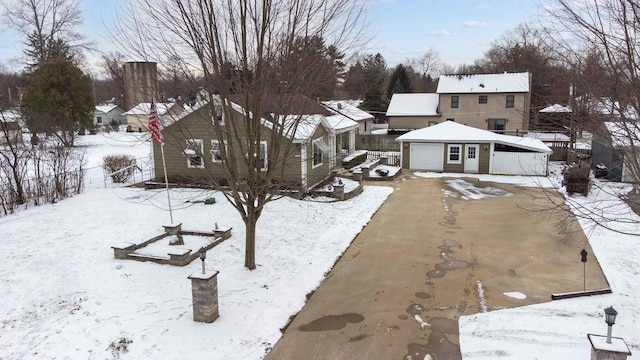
[411,122]
[470,112]
[484,157]
[198,125]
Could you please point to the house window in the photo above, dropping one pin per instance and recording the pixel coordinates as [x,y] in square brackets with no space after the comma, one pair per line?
[471,152]
[194,153]
[431,123]
[317,152]
[218,116]
[497,125]
[453,154]
[454,101]
[260,160]
[99,120]
[482,99]
[216,153]
[510,101]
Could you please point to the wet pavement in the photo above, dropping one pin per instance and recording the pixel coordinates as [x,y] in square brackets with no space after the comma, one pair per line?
[436,250]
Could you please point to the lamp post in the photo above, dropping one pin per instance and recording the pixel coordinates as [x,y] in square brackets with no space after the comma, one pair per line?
[203,255]
[610,318]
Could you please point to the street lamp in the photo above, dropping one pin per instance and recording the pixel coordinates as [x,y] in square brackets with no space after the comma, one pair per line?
[610,318]
[203,255]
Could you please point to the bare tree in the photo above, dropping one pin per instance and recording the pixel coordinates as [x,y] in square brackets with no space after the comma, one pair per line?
[255,39]
[603,36]
[428,64]
[48,26]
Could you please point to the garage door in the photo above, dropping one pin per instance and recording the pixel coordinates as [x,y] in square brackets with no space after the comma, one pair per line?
[426,157]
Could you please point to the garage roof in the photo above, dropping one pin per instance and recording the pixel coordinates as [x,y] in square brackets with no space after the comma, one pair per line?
[419,104]
[450,131]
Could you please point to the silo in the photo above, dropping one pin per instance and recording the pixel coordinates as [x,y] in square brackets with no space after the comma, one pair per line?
[140,82]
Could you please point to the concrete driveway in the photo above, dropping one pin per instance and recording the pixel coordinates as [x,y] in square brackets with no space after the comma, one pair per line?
[429,256]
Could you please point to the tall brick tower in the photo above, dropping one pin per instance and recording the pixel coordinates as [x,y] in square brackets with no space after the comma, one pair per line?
[140,82]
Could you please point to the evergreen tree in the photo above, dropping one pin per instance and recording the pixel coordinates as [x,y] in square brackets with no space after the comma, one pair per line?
[58,100]
[399,82]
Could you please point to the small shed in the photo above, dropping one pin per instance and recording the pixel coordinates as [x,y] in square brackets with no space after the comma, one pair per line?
[453,147]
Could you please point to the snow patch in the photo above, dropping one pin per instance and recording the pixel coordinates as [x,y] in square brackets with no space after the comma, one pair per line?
[515,295]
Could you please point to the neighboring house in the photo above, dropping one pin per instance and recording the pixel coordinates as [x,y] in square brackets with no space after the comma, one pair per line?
[457,148]
[616,145]
[408,112]
[495,102]
[10,132]
[192,150]
[138,117]
[104,115]
[554,118]
[351,111]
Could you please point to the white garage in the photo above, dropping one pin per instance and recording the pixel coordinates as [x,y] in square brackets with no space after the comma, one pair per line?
[425,156]
[457,148]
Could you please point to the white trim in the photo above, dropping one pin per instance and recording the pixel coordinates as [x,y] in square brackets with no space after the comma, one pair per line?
[460,153]
[191,151]
[303,166]
[317,142]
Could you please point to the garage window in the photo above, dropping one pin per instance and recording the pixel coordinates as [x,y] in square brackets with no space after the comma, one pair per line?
[454,154]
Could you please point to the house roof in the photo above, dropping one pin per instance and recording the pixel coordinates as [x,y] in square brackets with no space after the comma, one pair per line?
[556,108]
[284,104]
[484,83]
[420,104]
[450,131]
[340,123]
[107,108]
[346,108]
[144,108]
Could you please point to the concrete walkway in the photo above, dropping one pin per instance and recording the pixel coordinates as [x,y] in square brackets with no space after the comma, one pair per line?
[427,257]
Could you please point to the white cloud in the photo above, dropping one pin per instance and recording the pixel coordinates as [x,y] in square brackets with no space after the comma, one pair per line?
[474,24]
[440,33]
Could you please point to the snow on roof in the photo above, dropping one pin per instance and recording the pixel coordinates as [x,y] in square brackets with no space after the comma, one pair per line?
[556,108]
[347,109]
[106,108]
[548,137]
[340,123]
[484,83]
[144,108]
[420,104]
[623,133]
[306,127]
[450,131]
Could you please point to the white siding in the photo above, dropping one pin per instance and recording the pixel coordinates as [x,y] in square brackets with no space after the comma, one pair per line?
[517,163]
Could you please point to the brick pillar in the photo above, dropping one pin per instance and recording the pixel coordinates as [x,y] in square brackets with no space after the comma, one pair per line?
[204,289]
[601,350]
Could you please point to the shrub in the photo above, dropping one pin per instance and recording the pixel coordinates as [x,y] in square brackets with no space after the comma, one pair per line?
[119,167]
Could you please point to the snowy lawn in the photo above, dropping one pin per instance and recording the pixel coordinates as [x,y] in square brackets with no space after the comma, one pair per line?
[558,329]
[64,295]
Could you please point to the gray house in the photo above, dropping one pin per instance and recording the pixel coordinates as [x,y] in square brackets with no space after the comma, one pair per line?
[105,115]
[306,157]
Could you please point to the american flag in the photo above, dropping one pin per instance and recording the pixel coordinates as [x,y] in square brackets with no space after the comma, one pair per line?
[156,135]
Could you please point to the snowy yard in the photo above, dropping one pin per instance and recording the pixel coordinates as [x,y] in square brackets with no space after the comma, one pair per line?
[64,295]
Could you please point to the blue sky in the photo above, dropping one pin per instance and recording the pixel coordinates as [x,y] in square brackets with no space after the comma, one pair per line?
[460,30]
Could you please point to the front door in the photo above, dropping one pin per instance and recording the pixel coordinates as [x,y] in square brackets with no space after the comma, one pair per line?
[471,158]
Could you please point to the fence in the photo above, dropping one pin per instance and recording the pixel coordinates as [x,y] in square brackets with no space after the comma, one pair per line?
[46,189]
[393,157]
[377,142]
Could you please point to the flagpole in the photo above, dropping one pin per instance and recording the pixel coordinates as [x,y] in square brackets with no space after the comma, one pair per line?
[166,181]
[156,135]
